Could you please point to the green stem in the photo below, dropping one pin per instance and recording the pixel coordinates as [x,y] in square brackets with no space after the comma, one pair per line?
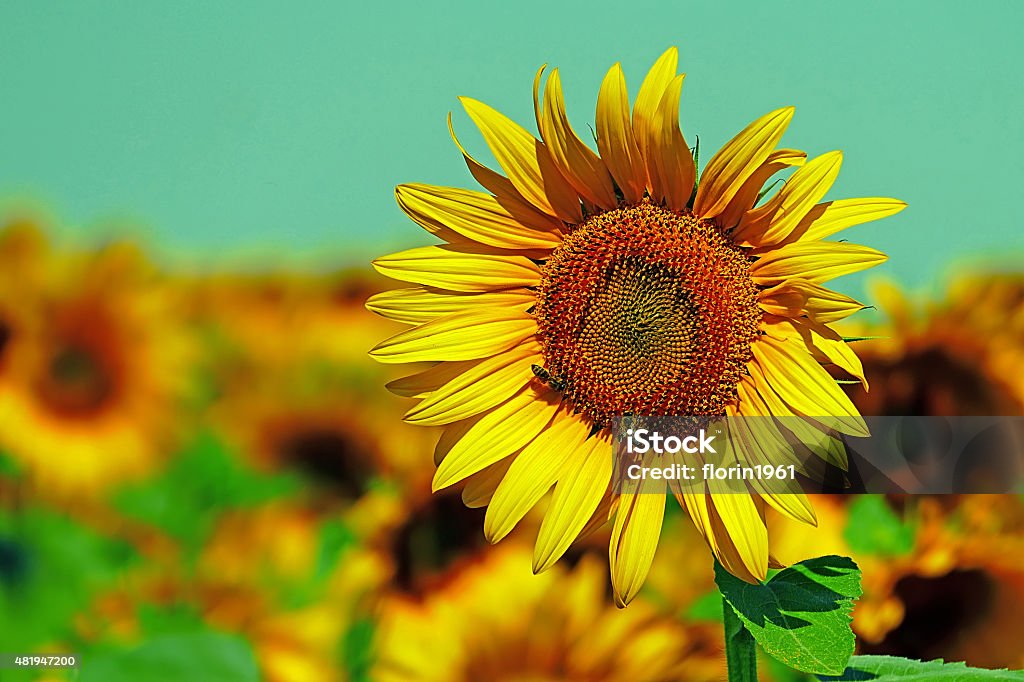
[740,649]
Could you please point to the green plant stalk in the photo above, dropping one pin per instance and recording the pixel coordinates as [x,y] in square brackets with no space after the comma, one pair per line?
[740,648]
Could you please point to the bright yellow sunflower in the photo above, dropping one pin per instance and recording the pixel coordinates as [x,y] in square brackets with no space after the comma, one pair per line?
[581,286]
[94,365]
[491,620]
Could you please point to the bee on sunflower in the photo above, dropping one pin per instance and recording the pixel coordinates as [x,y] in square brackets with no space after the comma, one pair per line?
[637,289]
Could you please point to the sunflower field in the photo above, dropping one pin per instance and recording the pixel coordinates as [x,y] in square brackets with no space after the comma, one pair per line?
[194,488]
[400,462]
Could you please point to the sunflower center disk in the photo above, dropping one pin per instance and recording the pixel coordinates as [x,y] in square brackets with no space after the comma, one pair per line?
[648,312]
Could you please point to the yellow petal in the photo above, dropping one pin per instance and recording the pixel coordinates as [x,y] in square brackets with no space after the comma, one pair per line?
[766,431]
[495,183]
[795,297]
[675,171]
[815,262]
[779,217]
[652,90]
[459,269]
[533,472]
[758,441]
[481,387]
[479,217]
[746,197]
[708,521]
[615,139]
[634,540]
[496,435]
[421,304]
[804,385]
[745,531]
[756,389]
[480,486]
[737,160]
[581,487]
[826,344]
[419,385]
[581,167]
[461,336]
[602,515]
[826,219]
[526,162]
[450,437]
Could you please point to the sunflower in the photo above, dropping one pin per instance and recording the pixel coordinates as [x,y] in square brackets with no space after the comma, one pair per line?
[93,365]
[288,401]
[581,286]
[956,593]
[491,620]
[962,354]
[269,574]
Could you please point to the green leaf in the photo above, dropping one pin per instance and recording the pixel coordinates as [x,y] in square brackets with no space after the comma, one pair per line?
[801,616]
[177,658]
[873,528]
[892,669]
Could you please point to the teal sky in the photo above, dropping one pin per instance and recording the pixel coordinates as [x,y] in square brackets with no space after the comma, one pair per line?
[276,132]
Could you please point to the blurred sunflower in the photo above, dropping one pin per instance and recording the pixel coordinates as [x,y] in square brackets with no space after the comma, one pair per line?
[580,287]
[94,364]
[294,591]
[289,401]
[961,355]
[274,575]
[493,620]
[956,593]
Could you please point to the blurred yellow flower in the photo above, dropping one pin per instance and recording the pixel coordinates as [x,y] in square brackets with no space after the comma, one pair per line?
[291,379]
[960,355]
[265,574]
[245,574]
[957,594]
[580,287]
[94,364]
[492,620]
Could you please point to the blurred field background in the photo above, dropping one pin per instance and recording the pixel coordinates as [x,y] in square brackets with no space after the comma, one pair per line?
[202,475]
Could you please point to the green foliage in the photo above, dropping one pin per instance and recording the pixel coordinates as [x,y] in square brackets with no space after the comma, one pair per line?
[740,650]
[50,566]
[706,608]
[873,528]
[801,616]
[8,467]
[357,648]
[174,658]
[892,669]
[200,484]
[335,538]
